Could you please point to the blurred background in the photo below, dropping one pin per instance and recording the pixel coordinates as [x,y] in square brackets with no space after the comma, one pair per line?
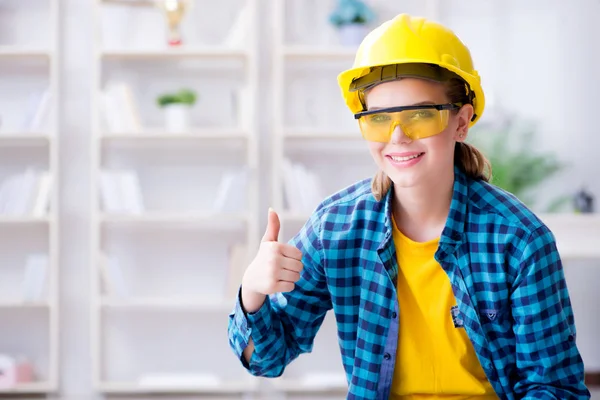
[142,142]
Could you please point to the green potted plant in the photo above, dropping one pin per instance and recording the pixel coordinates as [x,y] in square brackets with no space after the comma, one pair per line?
[177,107]
[516,165]
[351,18]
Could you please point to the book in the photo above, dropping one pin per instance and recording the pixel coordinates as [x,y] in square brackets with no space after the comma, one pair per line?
[112,277]
[229,196]
[120,109]
[42,199]
[34,278]
[120,192]
[238,262]
[302,187]
[38,110]
[26,193]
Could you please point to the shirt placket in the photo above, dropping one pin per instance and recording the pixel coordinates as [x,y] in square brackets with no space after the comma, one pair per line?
[387,256]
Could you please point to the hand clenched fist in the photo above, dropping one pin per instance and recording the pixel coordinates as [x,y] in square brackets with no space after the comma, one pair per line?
[276,267]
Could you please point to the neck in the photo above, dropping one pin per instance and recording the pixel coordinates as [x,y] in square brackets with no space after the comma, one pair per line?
[421,211]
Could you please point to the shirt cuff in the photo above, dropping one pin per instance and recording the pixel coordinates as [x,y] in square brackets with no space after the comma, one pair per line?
[256,325]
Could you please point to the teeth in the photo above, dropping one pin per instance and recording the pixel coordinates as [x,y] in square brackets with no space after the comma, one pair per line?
[404,158]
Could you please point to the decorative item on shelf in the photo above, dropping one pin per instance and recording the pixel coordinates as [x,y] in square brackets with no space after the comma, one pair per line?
[177,108]
[174,11]
[14,371]
[351,18]
[583,202]
[516,166]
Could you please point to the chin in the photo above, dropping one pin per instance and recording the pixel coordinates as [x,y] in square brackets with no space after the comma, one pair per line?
[404,179]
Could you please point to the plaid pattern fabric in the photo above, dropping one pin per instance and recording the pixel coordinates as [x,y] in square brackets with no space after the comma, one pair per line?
[505,272]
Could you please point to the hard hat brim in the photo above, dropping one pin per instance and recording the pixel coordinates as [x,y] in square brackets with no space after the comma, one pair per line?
[350,81]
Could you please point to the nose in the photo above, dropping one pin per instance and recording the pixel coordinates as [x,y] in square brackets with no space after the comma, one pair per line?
[398,135]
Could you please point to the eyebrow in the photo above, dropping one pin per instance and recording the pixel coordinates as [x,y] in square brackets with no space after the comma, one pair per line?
[421,103]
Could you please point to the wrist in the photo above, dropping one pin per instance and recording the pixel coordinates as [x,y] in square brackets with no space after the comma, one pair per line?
[251,301]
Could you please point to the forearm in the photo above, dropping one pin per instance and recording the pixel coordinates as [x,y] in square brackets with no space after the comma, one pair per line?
[549,365]
[261,340]
[248,351]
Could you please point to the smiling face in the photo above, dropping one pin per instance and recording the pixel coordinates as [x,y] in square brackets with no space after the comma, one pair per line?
[424,161]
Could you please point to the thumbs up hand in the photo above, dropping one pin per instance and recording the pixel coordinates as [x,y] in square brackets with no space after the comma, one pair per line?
[276,267]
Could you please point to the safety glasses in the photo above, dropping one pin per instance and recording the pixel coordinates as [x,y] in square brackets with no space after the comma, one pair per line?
[417,122]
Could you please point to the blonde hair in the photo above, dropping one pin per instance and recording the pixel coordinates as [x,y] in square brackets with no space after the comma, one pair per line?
[466,156]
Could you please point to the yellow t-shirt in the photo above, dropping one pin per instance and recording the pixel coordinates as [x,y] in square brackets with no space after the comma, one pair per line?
[435,360]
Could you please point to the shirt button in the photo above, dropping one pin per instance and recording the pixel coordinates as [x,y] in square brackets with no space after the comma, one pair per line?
[387,356]
[394,315]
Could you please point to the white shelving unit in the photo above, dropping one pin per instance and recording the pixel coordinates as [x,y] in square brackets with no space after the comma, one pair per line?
[302,136]
[295,136]
[28,131]
[165,251]
[576,235]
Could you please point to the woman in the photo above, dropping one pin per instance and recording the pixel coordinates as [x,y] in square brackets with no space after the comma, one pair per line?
[442,285]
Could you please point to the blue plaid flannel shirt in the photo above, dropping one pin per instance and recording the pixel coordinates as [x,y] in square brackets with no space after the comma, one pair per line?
[505,272]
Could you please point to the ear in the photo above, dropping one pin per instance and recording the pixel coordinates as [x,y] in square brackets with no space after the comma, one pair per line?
[463,117]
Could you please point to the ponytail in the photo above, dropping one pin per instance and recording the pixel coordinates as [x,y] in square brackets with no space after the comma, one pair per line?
[472,162]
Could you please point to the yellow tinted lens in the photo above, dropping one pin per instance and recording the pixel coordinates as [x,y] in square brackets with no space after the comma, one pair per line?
[377,127]
[426,122]
[416,124]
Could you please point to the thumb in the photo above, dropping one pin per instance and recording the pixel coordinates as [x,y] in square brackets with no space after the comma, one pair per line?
[272,232]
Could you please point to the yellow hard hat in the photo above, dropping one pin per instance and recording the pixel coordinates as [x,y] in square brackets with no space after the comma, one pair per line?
[406,46]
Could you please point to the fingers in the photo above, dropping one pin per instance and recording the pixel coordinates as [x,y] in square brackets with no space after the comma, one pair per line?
[284,286]
[289,251]
[289,276]
[290,264]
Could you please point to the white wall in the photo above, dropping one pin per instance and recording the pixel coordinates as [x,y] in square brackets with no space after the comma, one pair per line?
[548,55]
[538,59]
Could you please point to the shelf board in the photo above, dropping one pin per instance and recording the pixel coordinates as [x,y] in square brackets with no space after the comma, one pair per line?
[8,139]
[335,52]
[217,221]
[225,387]
[306,385]
[134,3]
[16,304]
[320,134]
[576,234]
[23,52]
[167,53]
[23,220]
[195,135]
[33,387]
[154,304]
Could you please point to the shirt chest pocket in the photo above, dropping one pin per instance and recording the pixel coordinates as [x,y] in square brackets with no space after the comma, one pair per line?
[495,317]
